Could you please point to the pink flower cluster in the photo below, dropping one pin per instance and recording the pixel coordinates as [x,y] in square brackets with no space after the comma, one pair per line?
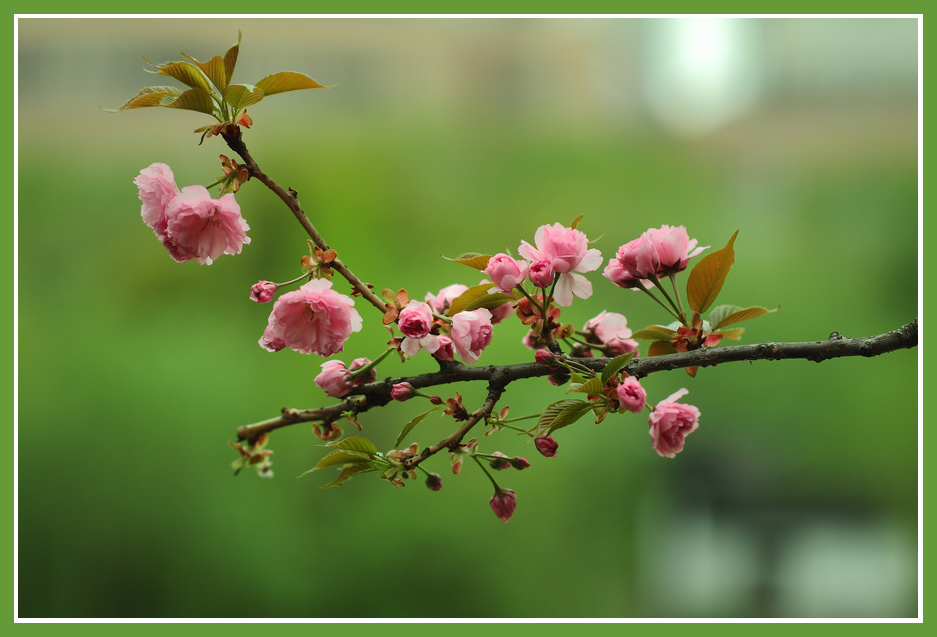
[189,223]
[313,319]
[657,252]
[560,254]
[670,423]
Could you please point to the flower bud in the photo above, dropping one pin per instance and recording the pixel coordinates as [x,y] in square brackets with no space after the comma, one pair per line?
[541,274]
[547,446]
[519,463]
[501,462]
[263,291]
[631,395]
[503,503]
[401,391]
[434,482]
[435,399]
[545,357]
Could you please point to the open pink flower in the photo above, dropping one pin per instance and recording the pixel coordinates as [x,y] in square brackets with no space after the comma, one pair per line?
[506,272]
[674,248]
[670,423]
[335,379]
[445,351]
[441,301]
[611,331]
[156,188]
[314,318]
[415,322]
[199,227]
[471,333]
[631,395]
[567,250]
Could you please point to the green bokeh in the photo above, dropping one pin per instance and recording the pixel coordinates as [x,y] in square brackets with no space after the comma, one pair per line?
[134,371]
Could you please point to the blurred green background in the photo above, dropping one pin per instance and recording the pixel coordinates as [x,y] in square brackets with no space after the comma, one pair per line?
[796,497]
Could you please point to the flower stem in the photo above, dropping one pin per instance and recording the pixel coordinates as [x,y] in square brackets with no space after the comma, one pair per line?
[479,463]
[367,368]
[676,292]
[659,302]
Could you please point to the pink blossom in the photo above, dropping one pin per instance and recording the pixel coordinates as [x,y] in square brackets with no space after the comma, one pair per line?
[611,331]
[202,228]
[263,291]
[674,248]
[471,333]
[620,276]
[506,272]
[401,391]
[567,250]
[541,274]
[547,446]
[415,322]
[445,352]
[501,312]
[359,377]
[631,395]
[156,188]
[546,357]
[519,463]
[503,503]
[500,461]
[441,301]
[334,379]
[314,318]
[670,423]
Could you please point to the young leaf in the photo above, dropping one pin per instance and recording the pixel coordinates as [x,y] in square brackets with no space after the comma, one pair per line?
[350,472]
[231,58]
[730,314]
[187,73]
[733,334]
[569,415]
[614,366]
[552,411]
[477,297]
[287,81]
[413,423]
[472,260]
[241,96]
[195,99]
[709,275]
[354,443]
[654,333]
[149,96]
[214,69]
[591,386]
[576,222]
[660,348]
[340,457]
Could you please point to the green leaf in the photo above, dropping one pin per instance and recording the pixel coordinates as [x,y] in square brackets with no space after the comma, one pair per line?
[614,366]
[709,275]
[730,314]
[149,96]
[654,333]
[350,472]
[214,69]
[560,414]
[569,415]
[185,72]
[477,297]
[591,386]
[241,96]
[231,58]
[660,348]
[472,259]
[354,443]
[287,81]
[195,99]
[413,423]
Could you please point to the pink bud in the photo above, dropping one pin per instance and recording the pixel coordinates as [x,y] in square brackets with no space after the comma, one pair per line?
[263,291]
[503,503]
[334,379]
[434,482]
[631,395]
[545,357]
[362,379]
[500,462]
[541,274]
[435,399]
[401,391]
[506,272]
[547,446]
[519,463]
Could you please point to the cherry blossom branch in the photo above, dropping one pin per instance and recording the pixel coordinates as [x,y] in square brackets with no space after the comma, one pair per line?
[377,394]
[232,135]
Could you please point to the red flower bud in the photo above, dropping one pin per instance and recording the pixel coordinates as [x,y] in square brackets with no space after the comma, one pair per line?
[547,446]
[503,503]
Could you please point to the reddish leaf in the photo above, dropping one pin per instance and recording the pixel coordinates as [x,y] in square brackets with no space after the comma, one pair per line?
[660,348]
[709,275]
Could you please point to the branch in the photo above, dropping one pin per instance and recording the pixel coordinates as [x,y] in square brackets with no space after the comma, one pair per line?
[232,135]
[377,394]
